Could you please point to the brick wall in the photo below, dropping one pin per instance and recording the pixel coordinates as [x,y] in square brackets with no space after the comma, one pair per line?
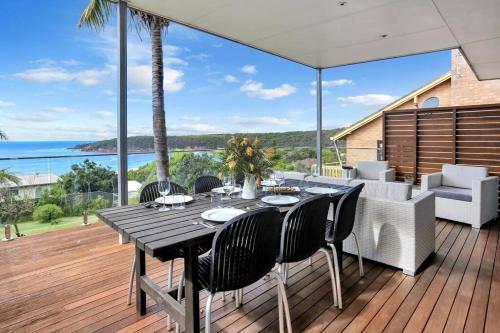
[466,89]
[365,137]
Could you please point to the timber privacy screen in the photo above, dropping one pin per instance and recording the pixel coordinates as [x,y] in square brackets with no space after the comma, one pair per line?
[420,141]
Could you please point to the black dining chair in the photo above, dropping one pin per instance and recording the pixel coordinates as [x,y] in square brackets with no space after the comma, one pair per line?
[244,250]
[206,184]
[150,193]
[303,234]
[341,228]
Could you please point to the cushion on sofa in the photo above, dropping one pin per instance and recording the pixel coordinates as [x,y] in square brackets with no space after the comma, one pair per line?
[370,169]
[328,180]
[384,190]
[454,193]
[462,175]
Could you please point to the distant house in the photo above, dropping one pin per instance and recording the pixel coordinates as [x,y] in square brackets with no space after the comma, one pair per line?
[32,185]
[458,87]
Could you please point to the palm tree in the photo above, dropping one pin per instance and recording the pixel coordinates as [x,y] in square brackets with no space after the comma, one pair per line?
[95,15]
[6,176]
[3,136]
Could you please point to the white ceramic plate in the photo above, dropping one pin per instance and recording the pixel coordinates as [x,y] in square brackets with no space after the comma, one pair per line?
[221,214]
[280,200]
[220,190]
[174,199]
[321,190]
[268,182]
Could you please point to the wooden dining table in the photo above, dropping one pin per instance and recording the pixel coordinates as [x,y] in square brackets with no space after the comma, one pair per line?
[166,234]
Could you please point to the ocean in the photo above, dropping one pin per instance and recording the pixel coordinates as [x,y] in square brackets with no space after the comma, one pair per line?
[57,157]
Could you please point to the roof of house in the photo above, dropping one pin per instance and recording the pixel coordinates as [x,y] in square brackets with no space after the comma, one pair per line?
[36,179]
[392,106]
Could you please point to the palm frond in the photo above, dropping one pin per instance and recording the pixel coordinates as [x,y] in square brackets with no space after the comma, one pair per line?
[6,176]
[3,136]
[96,14]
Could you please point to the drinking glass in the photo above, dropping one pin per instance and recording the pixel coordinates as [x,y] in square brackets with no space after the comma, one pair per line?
[315,171]
[279,178]
[178,201]
[303,185]
[237,190]
[228,187]
[164,189]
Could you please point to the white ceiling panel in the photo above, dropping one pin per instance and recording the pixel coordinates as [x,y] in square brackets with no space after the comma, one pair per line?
[322,33]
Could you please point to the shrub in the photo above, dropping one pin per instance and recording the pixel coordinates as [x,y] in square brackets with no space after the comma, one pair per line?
[47,213]
[98,203]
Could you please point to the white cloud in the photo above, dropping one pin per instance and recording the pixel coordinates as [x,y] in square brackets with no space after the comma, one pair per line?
[249,69]
[59,109]
[31,117]
[256,89]
[196,127]
[368,100]
[174,61]
[199,57]
[141,77]
[190,118]
[330,84]
[6,104]
[89,77]
[105,114]
[45,75]
[259,121]
[231,78]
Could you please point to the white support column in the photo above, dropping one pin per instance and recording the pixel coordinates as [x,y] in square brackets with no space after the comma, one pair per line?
[121,142]
[319,116]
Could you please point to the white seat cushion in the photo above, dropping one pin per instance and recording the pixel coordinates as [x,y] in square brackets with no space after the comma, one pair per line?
[462,175]
[370,169]
[384,190]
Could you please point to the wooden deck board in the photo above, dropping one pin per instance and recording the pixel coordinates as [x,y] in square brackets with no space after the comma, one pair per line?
[75,280]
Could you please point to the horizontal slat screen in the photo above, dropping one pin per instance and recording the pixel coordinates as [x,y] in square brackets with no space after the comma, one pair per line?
[420,141]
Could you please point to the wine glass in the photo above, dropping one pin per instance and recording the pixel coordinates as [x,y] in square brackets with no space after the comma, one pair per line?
[279,178]
[164,189]
[228,187]
[315,171]
[303,185]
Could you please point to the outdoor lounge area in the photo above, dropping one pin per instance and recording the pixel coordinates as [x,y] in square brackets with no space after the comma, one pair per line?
[252,236]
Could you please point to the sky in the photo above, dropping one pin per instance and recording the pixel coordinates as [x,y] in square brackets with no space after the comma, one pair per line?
[58,81]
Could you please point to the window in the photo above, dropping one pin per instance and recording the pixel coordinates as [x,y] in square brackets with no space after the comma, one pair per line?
[431,102]
[379,150]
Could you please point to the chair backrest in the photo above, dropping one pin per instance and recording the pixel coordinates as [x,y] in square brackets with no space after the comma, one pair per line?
[150,192]
[244,249]
[345,213]
[370,169]
[462,175]
[303,230]
[206,184]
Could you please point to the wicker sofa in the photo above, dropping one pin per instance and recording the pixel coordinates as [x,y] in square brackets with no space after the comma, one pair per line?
[464,194]
[392,227]
[371,170]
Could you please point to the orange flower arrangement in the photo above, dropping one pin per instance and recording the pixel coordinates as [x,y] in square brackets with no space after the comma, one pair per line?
[243,157]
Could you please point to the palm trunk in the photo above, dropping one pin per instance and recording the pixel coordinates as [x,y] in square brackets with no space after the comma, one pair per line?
[159,128]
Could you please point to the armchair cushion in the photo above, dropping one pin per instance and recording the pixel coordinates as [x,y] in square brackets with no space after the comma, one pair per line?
[462,175]
[370,169]
[454,193]
[384,190]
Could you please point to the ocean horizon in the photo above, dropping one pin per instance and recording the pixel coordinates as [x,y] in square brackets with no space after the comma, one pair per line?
[32,157]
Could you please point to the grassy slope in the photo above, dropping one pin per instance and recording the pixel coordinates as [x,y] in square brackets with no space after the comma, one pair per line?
[33,227]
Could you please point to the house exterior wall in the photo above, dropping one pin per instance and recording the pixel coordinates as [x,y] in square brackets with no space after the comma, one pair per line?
[466,89]
[362,143]
[462,89]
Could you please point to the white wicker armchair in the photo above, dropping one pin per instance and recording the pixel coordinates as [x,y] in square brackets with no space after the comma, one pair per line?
[372,170]
[464,194]
[394,228]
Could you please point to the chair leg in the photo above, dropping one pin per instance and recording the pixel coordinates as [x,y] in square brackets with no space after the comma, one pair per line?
[337,275]
[283,303]
[208,311]
[238,297]
[310,261]
[179,297]
[170,273]
[223,297]
[285,273]
[332,275]
[131,282]
[360,258]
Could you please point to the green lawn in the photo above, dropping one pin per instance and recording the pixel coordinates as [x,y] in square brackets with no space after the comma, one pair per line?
[33,227]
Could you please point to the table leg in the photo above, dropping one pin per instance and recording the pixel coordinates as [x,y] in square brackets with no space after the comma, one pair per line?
[191,291]
[140,270]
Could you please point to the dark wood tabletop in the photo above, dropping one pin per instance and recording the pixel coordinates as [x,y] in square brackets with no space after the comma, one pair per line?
[158,232]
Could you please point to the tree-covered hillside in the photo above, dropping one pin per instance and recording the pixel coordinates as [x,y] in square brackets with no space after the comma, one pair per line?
[211,141]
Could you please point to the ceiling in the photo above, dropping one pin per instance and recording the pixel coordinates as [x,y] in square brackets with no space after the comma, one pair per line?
[325,33]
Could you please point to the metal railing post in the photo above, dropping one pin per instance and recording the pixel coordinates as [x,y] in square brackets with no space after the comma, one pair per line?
[319,125]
